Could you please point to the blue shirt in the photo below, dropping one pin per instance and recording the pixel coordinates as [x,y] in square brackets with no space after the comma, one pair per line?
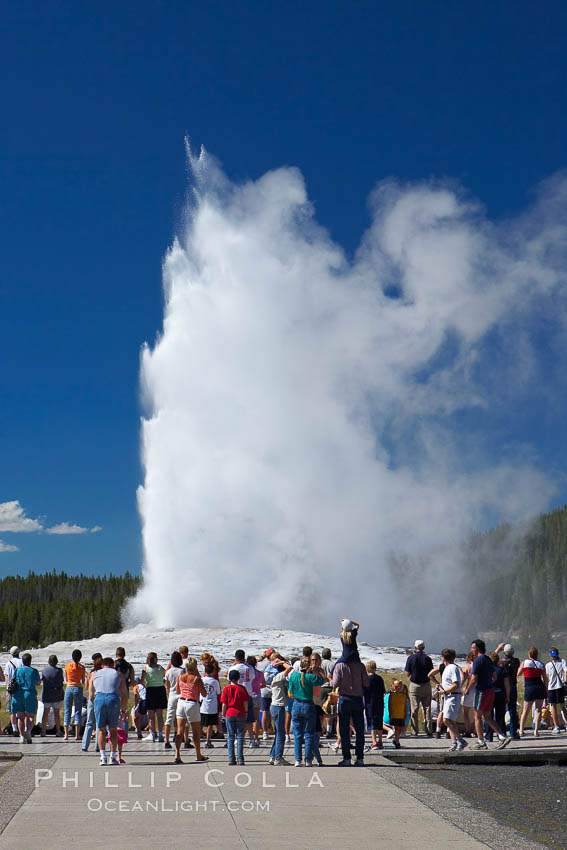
[483,668]
[418,666]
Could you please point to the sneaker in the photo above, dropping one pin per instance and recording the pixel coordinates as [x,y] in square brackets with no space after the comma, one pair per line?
[377,747]
[271,761]
[308,764]
[334,746]
[140,736]
[288,739]
[461,744]
[167,746]
[265,736]
[515,736]
[359,763]
[114,758]
[503,743]
[151,737]
[556,730]
[28,737]
[390,735]
[232,763]
[283,763]
[437,734]
[367,748]
[240,763]
[22,739]
[454,747]
[297,763]
[345,763]
[320,763]
[397,745]
[480,745]
[103,757]
[209,746]
[160,739]
[251,745]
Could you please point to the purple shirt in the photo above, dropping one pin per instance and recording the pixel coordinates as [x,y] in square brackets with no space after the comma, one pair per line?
[351,679]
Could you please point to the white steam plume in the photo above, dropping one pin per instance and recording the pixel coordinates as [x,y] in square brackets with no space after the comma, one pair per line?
[308,416]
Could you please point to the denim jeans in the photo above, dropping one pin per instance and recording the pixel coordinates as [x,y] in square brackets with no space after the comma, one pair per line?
[89,725]
[235,727]
[303,718]
[278,717]
[351,707]
[73,698]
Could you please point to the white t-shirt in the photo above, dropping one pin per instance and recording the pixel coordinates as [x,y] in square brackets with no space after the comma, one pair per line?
[210,703]
[246,676]
[280,684]
[556,670]
[9,670]
[451,675]
[171,676]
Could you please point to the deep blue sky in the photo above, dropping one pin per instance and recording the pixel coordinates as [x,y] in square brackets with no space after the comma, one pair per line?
[96,100]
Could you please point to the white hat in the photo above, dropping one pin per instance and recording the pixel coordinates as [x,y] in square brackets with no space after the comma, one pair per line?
[14,650]
[419,644]
[508,649]
[347,625]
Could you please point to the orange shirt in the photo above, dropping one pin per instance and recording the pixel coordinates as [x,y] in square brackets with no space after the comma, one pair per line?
[74,673]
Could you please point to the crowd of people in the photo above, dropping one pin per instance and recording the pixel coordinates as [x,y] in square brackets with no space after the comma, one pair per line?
[272,697]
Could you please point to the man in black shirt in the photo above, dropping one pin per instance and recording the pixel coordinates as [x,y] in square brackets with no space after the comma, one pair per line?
[418,667]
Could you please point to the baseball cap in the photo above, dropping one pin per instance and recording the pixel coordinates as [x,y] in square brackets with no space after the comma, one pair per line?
[508,649]
[234,675]
[14,650]
[269,651]
[554,653]
[419,644]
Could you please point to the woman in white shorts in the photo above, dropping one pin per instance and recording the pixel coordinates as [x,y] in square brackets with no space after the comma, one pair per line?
[451,687]
[172,674]
[189,687]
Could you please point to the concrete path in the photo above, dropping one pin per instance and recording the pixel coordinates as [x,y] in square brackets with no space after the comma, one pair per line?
[256,806]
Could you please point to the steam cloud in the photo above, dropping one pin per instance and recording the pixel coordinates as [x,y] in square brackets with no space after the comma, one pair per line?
[308,416]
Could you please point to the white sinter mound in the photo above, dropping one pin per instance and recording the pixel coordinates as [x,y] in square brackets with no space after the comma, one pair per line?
[143,638]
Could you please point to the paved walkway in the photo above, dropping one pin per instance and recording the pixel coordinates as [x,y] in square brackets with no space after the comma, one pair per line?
[65,792]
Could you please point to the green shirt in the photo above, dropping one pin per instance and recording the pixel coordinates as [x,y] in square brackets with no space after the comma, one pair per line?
[306,692]
[154,676]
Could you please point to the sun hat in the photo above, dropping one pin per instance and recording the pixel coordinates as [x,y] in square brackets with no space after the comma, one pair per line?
[14,650]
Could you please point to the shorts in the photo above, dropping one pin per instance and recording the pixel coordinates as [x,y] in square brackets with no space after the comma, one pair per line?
[156,698]
[141,708]
[250,717]
[289,704]
[209,720]
[484,700]
[107,710]
[534,689]
[396,721]
[47,706]
[265,703]
[171,709]
[556,696]
[451,707]
[189,710]
[24,702]
[256,701]
[376,722]
[468,700]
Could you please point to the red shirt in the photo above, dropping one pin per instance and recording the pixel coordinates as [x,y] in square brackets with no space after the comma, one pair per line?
[235,696]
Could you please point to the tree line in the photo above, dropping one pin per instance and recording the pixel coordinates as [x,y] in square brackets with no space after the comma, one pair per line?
[36,610]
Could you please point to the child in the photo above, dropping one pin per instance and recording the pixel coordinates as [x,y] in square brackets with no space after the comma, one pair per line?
[210,703]
[234,699]
[348,635]
[122,735]
[374,704]
[140,714]
[397,709]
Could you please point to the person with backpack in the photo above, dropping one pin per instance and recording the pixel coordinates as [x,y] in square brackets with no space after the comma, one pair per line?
[556,669]
[9,674]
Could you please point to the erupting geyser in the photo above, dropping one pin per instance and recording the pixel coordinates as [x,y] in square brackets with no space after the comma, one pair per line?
[307,416]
